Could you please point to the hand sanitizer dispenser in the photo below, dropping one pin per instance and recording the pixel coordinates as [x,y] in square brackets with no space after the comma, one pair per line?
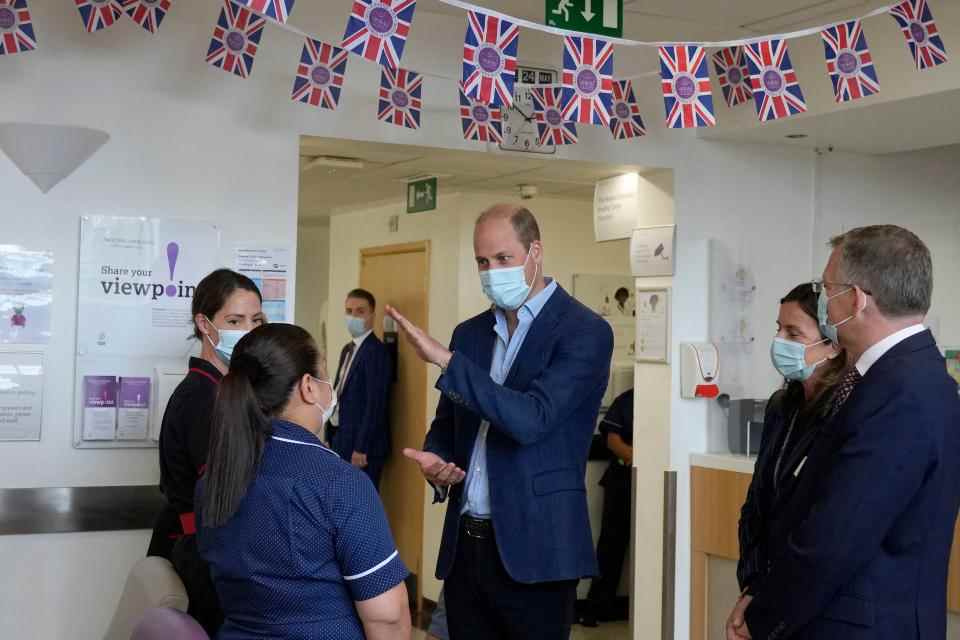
[699,370]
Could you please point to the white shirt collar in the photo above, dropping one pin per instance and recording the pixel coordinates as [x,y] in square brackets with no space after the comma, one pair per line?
[359,341]
[877,351]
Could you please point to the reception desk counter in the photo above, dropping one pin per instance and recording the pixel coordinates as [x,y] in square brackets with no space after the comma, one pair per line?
[718,485]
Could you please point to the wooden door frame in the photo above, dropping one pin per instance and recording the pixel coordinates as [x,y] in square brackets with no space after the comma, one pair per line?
[420,246]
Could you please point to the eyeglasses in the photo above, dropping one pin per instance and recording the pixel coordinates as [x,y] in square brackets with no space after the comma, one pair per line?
[821,285]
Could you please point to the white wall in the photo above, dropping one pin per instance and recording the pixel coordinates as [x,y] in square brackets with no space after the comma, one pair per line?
[313,283]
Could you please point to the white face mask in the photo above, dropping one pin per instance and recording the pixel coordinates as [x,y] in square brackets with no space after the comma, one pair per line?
[228,340]
[328,412]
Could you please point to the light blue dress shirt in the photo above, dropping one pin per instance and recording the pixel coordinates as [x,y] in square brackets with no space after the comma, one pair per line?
[505,350]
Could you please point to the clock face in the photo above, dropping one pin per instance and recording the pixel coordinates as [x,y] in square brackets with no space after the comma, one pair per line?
[519,126]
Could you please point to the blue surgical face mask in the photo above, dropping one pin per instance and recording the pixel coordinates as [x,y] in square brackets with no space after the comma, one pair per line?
[790,358]
[228,340]
[507,287]
[356,326]
[827,329]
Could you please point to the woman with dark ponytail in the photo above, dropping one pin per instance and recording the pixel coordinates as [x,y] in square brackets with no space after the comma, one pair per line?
[297,540]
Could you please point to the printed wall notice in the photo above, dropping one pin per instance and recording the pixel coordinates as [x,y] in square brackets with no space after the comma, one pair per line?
[136,285]
[270,271]
[137,278]
[21,395]
[26,295]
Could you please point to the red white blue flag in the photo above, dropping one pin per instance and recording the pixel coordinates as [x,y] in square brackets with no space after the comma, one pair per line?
[147,13]
[16,28]
[921,32]
[625,120]
[378,30]
[276,10]
[548,114]
[98,14]
[587,80]
[320,74]
[400,97]
[849,62]
[480,121]
[236,39]
[490,59]
[776,90]
[733,75]
[685,81]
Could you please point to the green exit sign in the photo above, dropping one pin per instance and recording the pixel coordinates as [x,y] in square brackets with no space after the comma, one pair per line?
[600,17]
[422,195]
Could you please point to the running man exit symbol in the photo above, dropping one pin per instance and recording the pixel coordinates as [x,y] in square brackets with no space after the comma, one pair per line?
[600,17]
[422,195]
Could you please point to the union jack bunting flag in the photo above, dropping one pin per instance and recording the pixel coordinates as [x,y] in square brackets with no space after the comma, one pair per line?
[481,122]
[98,14]
[625,120]
[548,114]
[921,32]
[490,59]
[236,39]
[276,10]
[16,28]
[147,13]
[776,90]
[378,29]
[849,62]
[733,75]
[587,80]
[685,81]
[320,74]
[400,100]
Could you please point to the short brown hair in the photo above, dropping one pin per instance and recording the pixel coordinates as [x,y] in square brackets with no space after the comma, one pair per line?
[363,294]
[522,219]
[890,263]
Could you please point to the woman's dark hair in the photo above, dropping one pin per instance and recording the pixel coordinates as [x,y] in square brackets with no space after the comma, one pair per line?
[805,297]
[212,293]
[265,367]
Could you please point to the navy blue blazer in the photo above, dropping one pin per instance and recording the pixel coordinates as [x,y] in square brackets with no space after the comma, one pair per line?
[365,402]
[541,423]
[865,537]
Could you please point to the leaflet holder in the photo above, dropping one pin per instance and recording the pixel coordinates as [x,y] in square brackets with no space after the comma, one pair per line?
[699,370]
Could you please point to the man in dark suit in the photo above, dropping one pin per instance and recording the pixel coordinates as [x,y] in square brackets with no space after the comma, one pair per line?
[360,424]
[521,387]
[862,547]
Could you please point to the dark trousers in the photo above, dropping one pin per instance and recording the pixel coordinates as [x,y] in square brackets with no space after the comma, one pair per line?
[614,539]
[166,530]
[484,603]
[195,572]
[374,470]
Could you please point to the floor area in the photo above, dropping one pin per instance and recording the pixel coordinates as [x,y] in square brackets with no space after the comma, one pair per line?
[606,631]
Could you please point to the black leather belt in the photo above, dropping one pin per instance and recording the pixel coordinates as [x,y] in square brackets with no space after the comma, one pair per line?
[476,527]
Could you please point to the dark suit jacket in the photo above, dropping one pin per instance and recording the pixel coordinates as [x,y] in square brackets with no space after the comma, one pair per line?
[541,423]
[365,402]
[864,539]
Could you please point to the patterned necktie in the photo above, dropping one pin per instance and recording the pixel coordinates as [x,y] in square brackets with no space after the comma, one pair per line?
[847,385]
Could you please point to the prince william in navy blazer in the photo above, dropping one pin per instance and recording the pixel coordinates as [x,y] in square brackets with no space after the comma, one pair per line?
[864,541]
[521,387]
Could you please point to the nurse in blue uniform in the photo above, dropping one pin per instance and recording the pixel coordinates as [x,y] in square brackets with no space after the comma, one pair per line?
[297,539]
[226,305]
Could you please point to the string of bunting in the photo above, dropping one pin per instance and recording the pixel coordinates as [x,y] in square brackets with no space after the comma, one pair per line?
[757,68]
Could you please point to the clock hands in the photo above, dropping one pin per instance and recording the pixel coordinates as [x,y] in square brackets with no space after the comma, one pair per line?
[525,116]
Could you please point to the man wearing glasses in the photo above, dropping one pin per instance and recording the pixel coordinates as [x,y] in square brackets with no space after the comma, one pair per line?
[872,516]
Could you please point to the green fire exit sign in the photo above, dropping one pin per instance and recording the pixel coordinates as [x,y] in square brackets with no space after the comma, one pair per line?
[600,17]
[422,195]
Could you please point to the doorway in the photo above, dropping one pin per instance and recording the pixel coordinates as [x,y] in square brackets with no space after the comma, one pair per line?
[398,275]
